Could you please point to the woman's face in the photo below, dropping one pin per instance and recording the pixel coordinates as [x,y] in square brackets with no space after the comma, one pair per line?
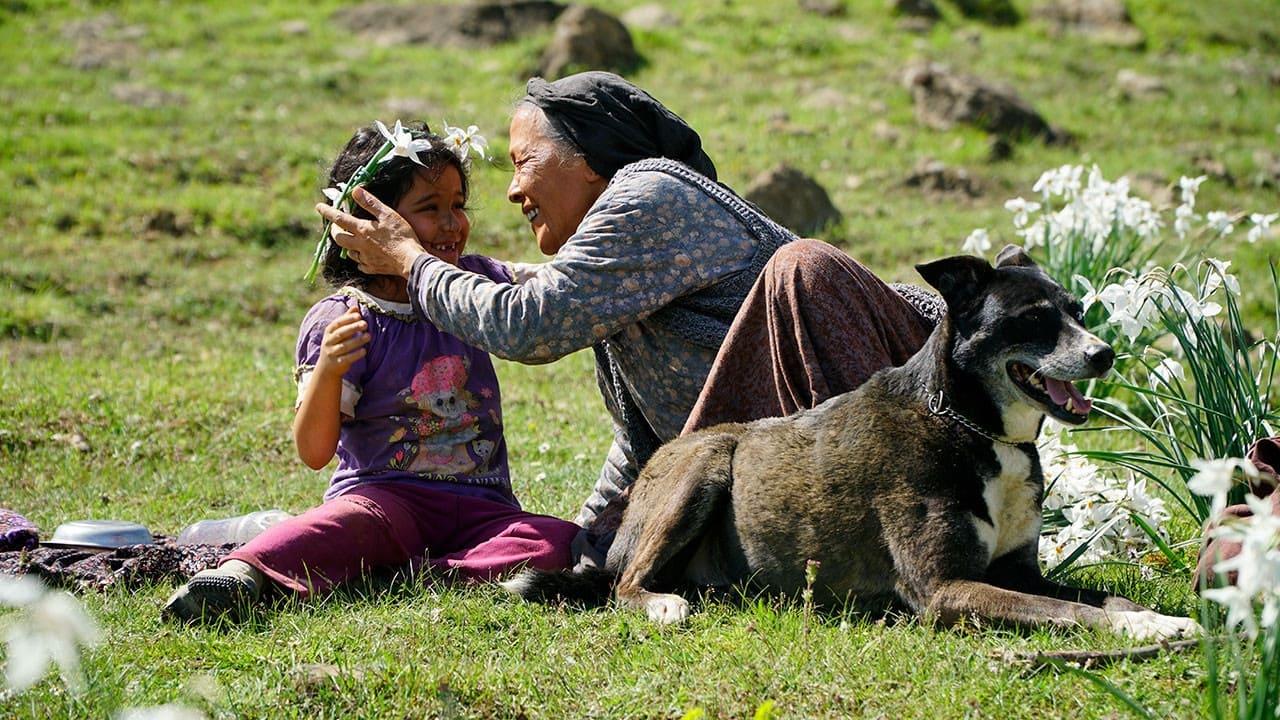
[435,207]
[554,193]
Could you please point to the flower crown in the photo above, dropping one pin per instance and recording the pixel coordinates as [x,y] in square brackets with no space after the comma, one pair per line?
[398,142]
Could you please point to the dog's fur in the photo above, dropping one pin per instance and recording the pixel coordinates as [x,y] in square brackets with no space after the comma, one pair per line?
[887,496]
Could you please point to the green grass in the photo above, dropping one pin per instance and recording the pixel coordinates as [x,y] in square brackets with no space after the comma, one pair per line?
[167,342]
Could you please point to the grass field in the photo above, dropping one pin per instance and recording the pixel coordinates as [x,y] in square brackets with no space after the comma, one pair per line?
[150,291]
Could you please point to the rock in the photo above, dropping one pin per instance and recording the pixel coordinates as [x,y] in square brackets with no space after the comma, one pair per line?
[477,24]
[999,149]
[1106,22]
[935,178]
[826,8]
[943,98]
[793,199]
[144,96]
[992,12]
[295,28]
[166,222]
[827,98]
[311,678]
[917,25]
[1134,85]
[650,17]
[915,8]
[886,132]
[588,39]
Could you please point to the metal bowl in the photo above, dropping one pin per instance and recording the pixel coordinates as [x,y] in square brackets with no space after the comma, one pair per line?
[104,534]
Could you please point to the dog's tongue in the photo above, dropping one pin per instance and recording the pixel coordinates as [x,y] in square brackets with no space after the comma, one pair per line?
[1060,390]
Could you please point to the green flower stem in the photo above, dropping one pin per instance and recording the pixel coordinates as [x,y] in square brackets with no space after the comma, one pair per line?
[358,178]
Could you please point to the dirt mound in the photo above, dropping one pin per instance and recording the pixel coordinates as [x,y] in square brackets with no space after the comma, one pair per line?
[480,24]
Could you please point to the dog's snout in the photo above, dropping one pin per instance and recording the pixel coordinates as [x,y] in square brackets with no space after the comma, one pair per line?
[1100,357]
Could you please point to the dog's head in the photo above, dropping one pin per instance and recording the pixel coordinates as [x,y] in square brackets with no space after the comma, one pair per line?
[1019,332]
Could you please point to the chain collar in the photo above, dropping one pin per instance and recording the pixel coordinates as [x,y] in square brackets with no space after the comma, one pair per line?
[938,406]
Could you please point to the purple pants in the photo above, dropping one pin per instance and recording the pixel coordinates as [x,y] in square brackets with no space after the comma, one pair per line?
[392,524]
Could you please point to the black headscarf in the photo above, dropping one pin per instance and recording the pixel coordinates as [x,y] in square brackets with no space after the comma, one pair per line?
[615,123]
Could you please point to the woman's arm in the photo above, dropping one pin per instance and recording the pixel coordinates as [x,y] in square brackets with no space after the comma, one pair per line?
[648,240]
[319,417]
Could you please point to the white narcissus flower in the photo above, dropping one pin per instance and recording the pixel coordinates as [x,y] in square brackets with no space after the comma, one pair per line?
[1182,218]
[1261,223]
[1190,186]
[462,142]
[1165,372]
[1215,478]
[52,628]
[402,142]
[1090,296]
[1220,222]
[978,243]
[1217,276]
[1021,209]
[335,194]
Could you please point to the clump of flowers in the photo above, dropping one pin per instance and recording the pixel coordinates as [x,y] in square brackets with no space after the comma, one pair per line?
[398,142]
[1090,516]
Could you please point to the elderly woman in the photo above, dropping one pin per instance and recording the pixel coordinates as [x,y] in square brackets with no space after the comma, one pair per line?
[653,265]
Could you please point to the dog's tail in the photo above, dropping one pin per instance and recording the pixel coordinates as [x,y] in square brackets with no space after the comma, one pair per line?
[585,588]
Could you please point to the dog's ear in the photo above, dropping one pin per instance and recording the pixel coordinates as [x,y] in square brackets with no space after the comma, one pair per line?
[1014,256]
[959,278]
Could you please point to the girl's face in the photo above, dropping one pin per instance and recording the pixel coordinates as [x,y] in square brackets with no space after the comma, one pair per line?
[436,210]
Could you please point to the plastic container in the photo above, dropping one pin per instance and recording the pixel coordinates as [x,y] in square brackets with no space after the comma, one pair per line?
[240,529]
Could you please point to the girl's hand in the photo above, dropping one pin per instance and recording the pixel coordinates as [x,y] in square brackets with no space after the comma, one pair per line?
[385,245]
[343,343]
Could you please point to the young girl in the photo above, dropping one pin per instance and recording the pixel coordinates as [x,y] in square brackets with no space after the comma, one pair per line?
[413,413]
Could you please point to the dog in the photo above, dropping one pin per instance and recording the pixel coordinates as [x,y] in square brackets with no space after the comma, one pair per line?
[924,483]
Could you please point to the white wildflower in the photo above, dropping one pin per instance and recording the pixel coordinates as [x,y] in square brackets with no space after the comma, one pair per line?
[544,448]
[1190,186]
[403,144]
[1182,219]
[1220,222]
[1166,371]
[1217,276]
[1261,224]
[978,243]
[51,628]
[1062,182]
[1090,296]
[462,142]
[335,194]
[1215,478]
[1021,209]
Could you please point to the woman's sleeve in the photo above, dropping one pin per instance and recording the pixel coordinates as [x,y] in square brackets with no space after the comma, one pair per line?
[646,242]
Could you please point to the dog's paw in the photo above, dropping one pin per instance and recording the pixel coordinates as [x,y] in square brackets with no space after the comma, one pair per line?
[1150,625]
[520,584]
[667,609]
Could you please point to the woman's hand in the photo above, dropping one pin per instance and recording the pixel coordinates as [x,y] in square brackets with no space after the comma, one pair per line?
[343,344]
[385,245]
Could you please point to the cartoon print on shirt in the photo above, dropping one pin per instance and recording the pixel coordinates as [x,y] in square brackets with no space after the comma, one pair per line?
[435,440]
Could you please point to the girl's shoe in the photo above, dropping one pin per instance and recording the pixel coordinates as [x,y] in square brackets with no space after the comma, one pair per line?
[227,589]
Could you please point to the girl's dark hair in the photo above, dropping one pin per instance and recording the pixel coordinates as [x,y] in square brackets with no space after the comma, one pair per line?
[389,184]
